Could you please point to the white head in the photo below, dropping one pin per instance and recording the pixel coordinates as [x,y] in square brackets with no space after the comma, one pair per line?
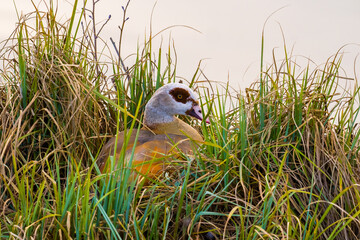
[169,100]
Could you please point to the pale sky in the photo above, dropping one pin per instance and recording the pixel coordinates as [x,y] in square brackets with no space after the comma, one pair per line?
[230,37]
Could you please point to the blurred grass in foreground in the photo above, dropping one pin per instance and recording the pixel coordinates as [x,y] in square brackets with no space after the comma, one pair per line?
[282,163]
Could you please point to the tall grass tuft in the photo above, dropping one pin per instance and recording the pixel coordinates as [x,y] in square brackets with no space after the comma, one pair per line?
[279,161]
[52,122]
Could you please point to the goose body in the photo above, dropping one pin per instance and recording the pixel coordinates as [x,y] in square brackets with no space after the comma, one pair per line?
[163,133]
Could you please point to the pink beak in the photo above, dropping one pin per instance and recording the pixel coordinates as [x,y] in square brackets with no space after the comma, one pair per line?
[196,113]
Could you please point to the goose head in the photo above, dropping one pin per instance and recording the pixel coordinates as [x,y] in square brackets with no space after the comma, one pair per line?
[170,100]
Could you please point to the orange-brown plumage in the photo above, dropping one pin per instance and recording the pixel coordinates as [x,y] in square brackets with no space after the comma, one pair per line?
[164,134]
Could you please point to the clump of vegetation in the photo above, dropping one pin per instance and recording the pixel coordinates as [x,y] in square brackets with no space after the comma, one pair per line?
[283,162]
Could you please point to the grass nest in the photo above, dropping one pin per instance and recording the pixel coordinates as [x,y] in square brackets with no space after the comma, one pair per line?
[279,161]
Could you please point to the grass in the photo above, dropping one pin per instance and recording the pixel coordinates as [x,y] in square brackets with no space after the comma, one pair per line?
[280,161]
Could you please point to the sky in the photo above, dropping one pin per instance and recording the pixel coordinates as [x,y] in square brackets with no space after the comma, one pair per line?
[228,33]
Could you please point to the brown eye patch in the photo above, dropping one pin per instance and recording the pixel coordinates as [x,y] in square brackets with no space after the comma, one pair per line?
[180,95]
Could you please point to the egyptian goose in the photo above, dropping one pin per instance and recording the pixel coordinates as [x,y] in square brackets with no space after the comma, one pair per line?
[161,132]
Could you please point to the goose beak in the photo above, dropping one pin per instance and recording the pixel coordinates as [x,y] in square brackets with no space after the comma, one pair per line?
[195,112]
